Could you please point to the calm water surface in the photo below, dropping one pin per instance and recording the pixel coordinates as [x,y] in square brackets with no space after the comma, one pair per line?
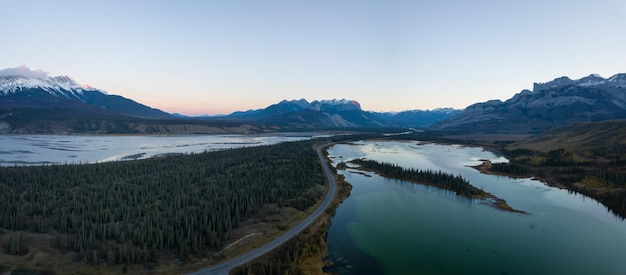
[60,149]
[394,227]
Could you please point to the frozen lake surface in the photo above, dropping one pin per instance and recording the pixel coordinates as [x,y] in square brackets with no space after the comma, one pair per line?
[62,149]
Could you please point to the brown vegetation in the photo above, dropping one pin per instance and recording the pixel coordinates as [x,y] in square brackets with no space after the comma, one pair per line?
[588,158]
[305,253]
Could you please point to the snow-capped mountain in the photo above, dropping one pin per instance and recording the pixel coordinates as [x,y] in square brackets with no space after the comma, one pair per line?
[556,103]
[289,106]
[316,114]
[58,85]
[33,102]
[62,92]
[616,81]
[335,105]
[341,113]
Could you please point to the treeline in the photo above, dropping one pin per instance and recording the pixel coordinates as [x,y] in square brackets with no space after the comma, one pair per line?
[303,253]
[600,175]
[126,212]
[440,179]
[511,169]
[287,258]
[564,163]
[556,157]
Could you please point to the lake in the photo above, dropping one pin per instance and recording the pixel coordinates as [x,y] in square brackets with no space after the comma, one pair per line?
[62,149]
[390,226]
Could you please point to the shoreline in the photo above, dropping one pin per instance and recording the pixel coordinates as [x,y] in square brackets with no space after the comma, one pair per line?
[491,199]
[308,249]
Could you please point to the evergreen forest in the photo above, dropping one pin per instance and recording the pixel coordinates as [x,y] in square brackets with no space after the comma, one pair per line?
[434,178]
[127,212]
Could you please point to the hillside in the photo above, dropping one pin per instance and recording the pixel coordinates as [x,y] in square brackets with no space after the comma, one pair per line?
[589,140]
[587,158]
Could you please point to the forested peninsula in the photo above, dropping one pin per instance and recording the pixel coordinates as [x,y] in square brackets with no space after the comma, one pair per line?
[439,179]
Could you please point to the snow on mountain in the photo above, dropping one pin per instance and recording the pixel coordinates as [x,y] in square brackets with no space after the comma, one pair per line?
[22,88]
[617,81]
[335,104]
[289,106]
[58,85]
[591,80]
[559,102]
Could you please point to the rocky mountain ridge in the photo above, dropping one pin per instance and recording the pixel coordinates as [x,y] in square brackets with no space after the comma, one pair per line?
[342,113]
[59,105]
[557,103]
[316,114]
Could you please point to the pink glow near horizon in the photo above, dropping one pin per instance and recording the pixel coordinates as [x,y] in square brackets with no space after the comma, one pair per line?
[217,57]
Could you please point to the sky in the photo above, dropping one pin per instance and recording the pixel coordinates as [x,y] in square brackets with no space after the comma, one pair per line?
[216,57]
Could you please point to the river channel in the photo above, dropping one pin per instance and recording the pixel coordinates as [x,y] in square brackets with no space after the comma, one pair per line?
[390,226]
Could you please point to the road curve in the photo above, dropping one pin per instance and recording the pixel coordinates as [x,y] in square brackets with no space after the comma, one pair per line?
[225,267]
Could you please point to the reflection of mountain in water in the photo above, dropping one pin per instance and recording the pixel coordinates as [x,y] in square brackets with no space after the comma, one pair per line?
[406,228]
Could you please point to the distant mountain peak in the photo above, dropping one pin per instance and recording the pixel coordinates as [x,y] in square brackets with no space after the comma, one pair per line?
[23,88]
[618,80]
[591,80]
[556,103]
[329,113]
[13,80]
[336,104]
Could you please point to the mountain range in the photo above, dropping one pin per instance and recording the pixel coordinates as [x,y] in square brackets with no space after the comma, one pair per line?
[557,103]
[31,104]
[316,114]
[60,105]
[342,113]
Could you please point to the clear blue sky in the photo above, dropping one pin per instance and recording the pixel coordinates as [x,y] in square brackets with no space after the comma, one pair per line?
[209,57]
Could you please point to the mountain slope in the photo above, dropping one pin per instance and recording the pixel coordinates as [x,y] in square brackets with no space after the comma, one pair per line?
[420,118]
[20,92]
[553,104]
[58,105]
[587,158]
[316,114]
[596,138]
[340,113]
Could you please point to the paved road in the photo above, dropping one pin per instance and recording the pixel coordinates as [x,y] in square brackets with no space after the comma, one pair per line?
[225,267]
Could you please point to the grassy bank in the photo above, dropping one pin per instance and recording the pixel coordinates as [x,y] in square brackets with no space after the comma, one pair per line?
[305,253]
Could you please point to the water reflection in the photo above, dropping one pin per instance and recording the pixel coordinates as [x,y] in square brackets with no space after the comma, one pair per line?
[404,228]
[59,149]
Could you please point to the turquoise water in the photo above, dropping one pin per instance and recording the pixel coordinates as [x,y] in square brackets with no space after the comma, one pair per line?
[393,227]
